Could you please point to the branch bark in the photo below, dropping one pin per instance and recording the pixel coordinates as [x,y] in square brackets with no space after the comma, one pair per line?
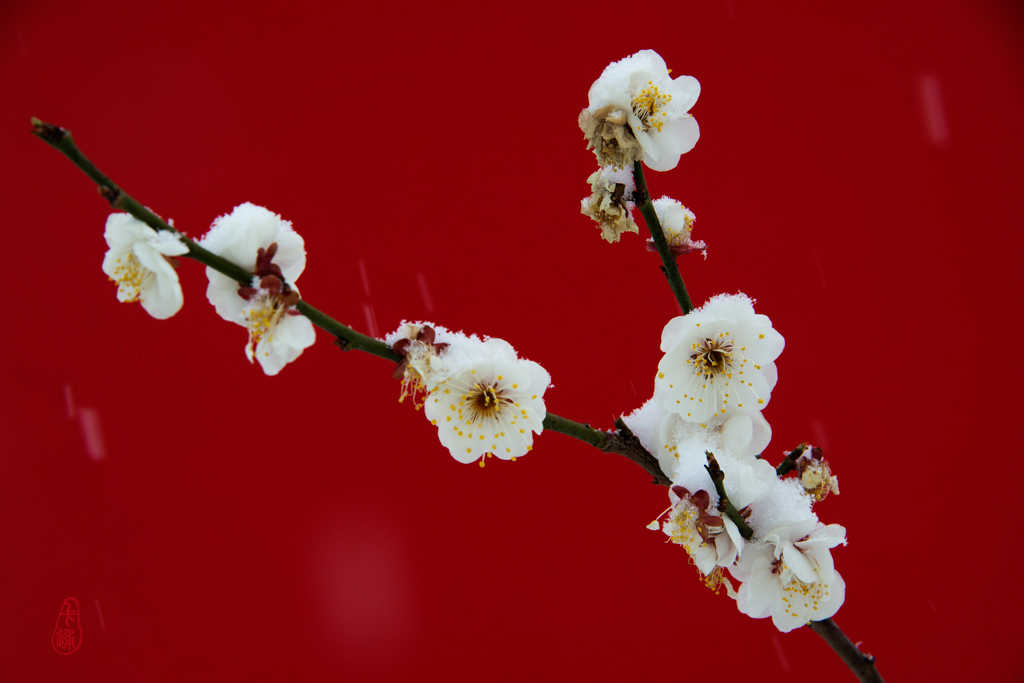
[862,665]
[669,265]
[730,511]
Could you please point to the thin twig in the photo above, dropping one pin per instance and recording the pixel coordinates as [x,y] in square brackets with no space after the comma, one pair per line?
[670,268]
[346,338]
[725,505]
[789,462]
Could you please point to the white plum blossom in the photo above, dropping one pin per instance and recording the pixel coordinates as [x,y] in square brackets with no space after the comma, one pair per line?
[677,223]
[136,260]
[261,242]
[421,366]
[681,448]
[481,396]
[718,360]
[711,540]
[790,575]
[656,106]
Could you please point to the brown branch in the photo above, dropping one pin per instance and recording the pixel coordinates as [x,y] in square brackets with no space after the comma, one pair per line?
[862,665]
[625,443]
[789,462]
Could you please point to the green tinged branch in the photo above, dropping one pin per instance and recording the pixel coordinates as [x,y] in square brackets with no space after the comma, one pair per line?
[789,462]
[61,140]
[347,339]
[669,267]
[725,506]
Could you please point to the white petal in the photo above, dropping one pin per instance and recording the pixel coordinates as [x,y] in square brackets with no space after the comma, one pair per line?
[114,257]
[222,292]
[764,344]
[123,229]
[675,330]
[762,589]
[834,600]
[673,140]
[799,564]
[761,434]
[771,374]
[737,432]
[684,90]
[285,343]
[168,243]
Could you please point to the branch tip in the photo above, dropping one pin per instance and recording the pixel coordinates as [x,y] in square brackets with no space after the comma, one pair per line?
[49,132]
[789,461]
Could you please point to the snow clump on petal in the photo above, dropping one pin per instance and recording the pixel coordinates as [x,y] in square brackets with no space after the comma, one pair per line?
[645,422]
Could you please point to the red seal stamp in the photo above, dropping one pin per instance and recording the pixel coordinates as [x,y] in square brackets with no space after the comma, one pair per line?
[67,635]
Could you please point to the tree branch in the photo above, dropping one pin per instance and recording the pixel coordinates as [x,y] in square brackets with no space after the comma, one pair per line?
[347,339]
[862,665]
[789,462]
[725,506]
[670,267]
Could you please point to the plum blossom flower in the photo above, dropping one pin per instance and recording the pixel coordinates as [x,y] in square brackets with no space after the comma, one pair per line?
[138,260]
[493,405]
[680,447]
[656,107]
[421,362]
[790,576]
[259,240]
[611,202]
[718,360]
[677,222]
[711,540]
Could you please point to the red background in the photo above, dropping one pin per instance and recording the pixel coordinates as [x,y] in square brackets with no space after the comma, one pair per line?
[859,174]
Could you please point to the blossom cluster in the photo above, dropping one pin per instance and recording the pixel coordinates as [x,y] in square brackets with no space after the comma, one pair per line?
[714,380]
[637,112]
